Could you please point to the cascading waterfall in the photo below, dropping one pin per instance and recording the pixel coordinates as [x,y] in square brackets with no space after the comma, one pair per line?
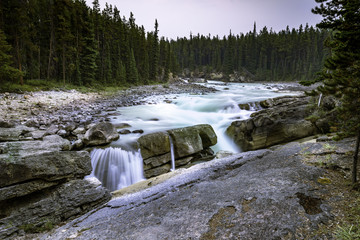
[117,168]
[172,154]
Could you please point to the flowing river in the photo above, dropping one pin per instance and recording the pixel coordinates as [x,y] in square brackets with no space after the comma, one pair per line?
[165,112]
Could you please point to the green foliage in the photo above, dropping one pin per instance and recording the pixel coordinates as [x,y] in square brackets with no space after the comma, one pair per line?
[287,55]
[348,233]
[78,45]
[7,72]
[341,73]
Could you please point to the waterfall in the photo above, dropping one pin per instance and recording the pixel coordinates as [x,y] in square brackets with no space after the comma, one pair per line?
[319,100]
[117,168]
[172,154]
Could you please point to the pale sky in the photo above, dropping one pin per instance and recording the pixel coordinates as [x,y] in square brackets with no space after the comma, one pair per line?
[177,18]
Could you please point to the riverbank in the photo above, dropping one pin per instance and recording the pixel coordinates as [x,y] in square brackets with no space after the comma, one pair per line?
[41,109]
[295,176]
[295,191]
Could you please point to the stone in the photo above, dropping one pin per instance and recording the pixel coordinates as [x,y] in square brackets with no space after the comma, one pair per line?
[100,134]
[253,195]
[122,125]
[154,144]
[207,135]
[62,133]
[124,131]
[157,171]
[138,131]
[50,207]
[6,124]
[14,134]
[53,129]
[77,145]
[22,166]
[282,120]
[79,130]
[186,141]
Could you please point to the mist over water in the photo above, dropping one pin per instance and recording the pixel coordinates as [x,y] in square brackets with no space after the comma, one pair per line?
[218,109]
[122,165]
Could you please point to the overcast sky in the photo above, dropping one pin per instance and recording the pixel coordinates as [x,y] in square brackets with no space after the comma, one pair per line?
[177,18]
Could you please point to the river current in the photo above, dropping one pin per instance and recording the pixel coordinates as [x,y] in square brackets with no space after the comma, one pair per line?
[120,165]
[218,109]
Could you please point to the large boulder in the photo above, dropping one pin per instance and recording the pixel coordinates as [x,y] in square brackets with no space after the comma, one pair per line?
[100,134]
[189,144]
[19,132]
[154,144]
[282,120]
[42,184]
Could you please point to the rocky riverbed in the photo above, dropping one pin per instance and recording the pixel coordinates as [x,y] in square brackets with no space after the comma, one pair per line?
[282,192]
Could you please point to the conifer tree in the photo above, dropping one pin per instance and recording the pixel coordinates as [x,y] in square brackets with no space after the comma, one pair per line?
[7,72]
[341,75]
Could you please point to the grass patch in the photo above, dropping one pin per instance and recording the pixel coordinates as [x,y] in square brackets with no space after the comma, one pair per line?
[34,85]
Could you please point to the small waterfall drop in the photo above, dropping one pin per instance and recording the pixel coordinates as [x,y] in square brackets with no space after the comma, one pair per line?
[117,168]
[172,154]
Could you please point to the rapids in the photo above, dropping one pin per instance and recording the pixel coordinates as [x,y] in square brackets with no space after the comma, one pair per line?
[121,164]
[218,109]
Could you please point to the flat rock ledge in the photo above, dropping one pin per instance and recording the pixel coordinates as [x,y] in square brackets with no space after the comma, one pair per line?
[263,194]
[42,183]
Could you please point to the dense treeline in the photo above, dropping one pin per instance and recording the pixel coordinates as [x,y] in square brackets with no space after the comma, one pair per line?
[73,43]
[70,42]
[295,54]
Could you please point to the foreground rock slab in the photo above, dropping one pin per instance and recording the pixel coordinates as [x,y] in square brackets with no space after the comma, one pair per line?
[264,194]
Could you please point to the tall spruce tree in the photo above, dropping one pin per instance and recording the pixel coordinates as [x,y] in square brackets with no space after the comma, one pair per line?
[341,74]
[7,72]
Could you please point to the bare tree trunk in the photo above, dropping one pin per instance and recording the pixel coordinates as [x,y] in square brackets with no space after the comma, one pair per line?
[50,54]
[19,59]
[355,160]
[63,63]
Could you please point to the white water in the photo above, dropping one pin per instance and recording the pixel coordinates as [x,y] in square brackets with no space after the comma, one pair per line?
[218,109]
[172,152]
[116,168]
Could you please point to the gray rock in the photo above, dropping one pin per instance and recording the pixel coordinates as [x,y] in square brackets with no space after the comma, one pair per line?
[14,134]
[62,133]
[282,121]
[53,129]
[6,124]
[254,195]
[100,134]
[20,166]
[124,131]
[50,207]
[154,144]
[187,141]
[79,130]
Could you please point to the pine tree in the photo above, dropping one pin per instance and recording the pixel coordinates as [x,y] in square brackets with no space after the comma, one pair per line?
[134,76]
[154,53]
[341,75]
[7,72]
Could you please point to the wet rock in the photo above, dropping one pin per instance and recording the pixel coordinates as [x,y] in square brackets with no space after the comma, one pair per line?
[124,131]
[138,131]
[42,183]
[100,134]
[190,144]
[282,120]
[122,125]
[254,195]
[154,144]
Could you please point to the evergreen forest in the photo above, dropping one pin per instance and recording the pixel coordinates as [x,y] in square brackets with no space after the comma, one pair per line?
[72,43]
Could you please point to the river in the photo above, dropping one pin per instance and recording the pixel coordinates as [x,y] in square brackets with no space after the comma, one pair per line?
[166,112]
